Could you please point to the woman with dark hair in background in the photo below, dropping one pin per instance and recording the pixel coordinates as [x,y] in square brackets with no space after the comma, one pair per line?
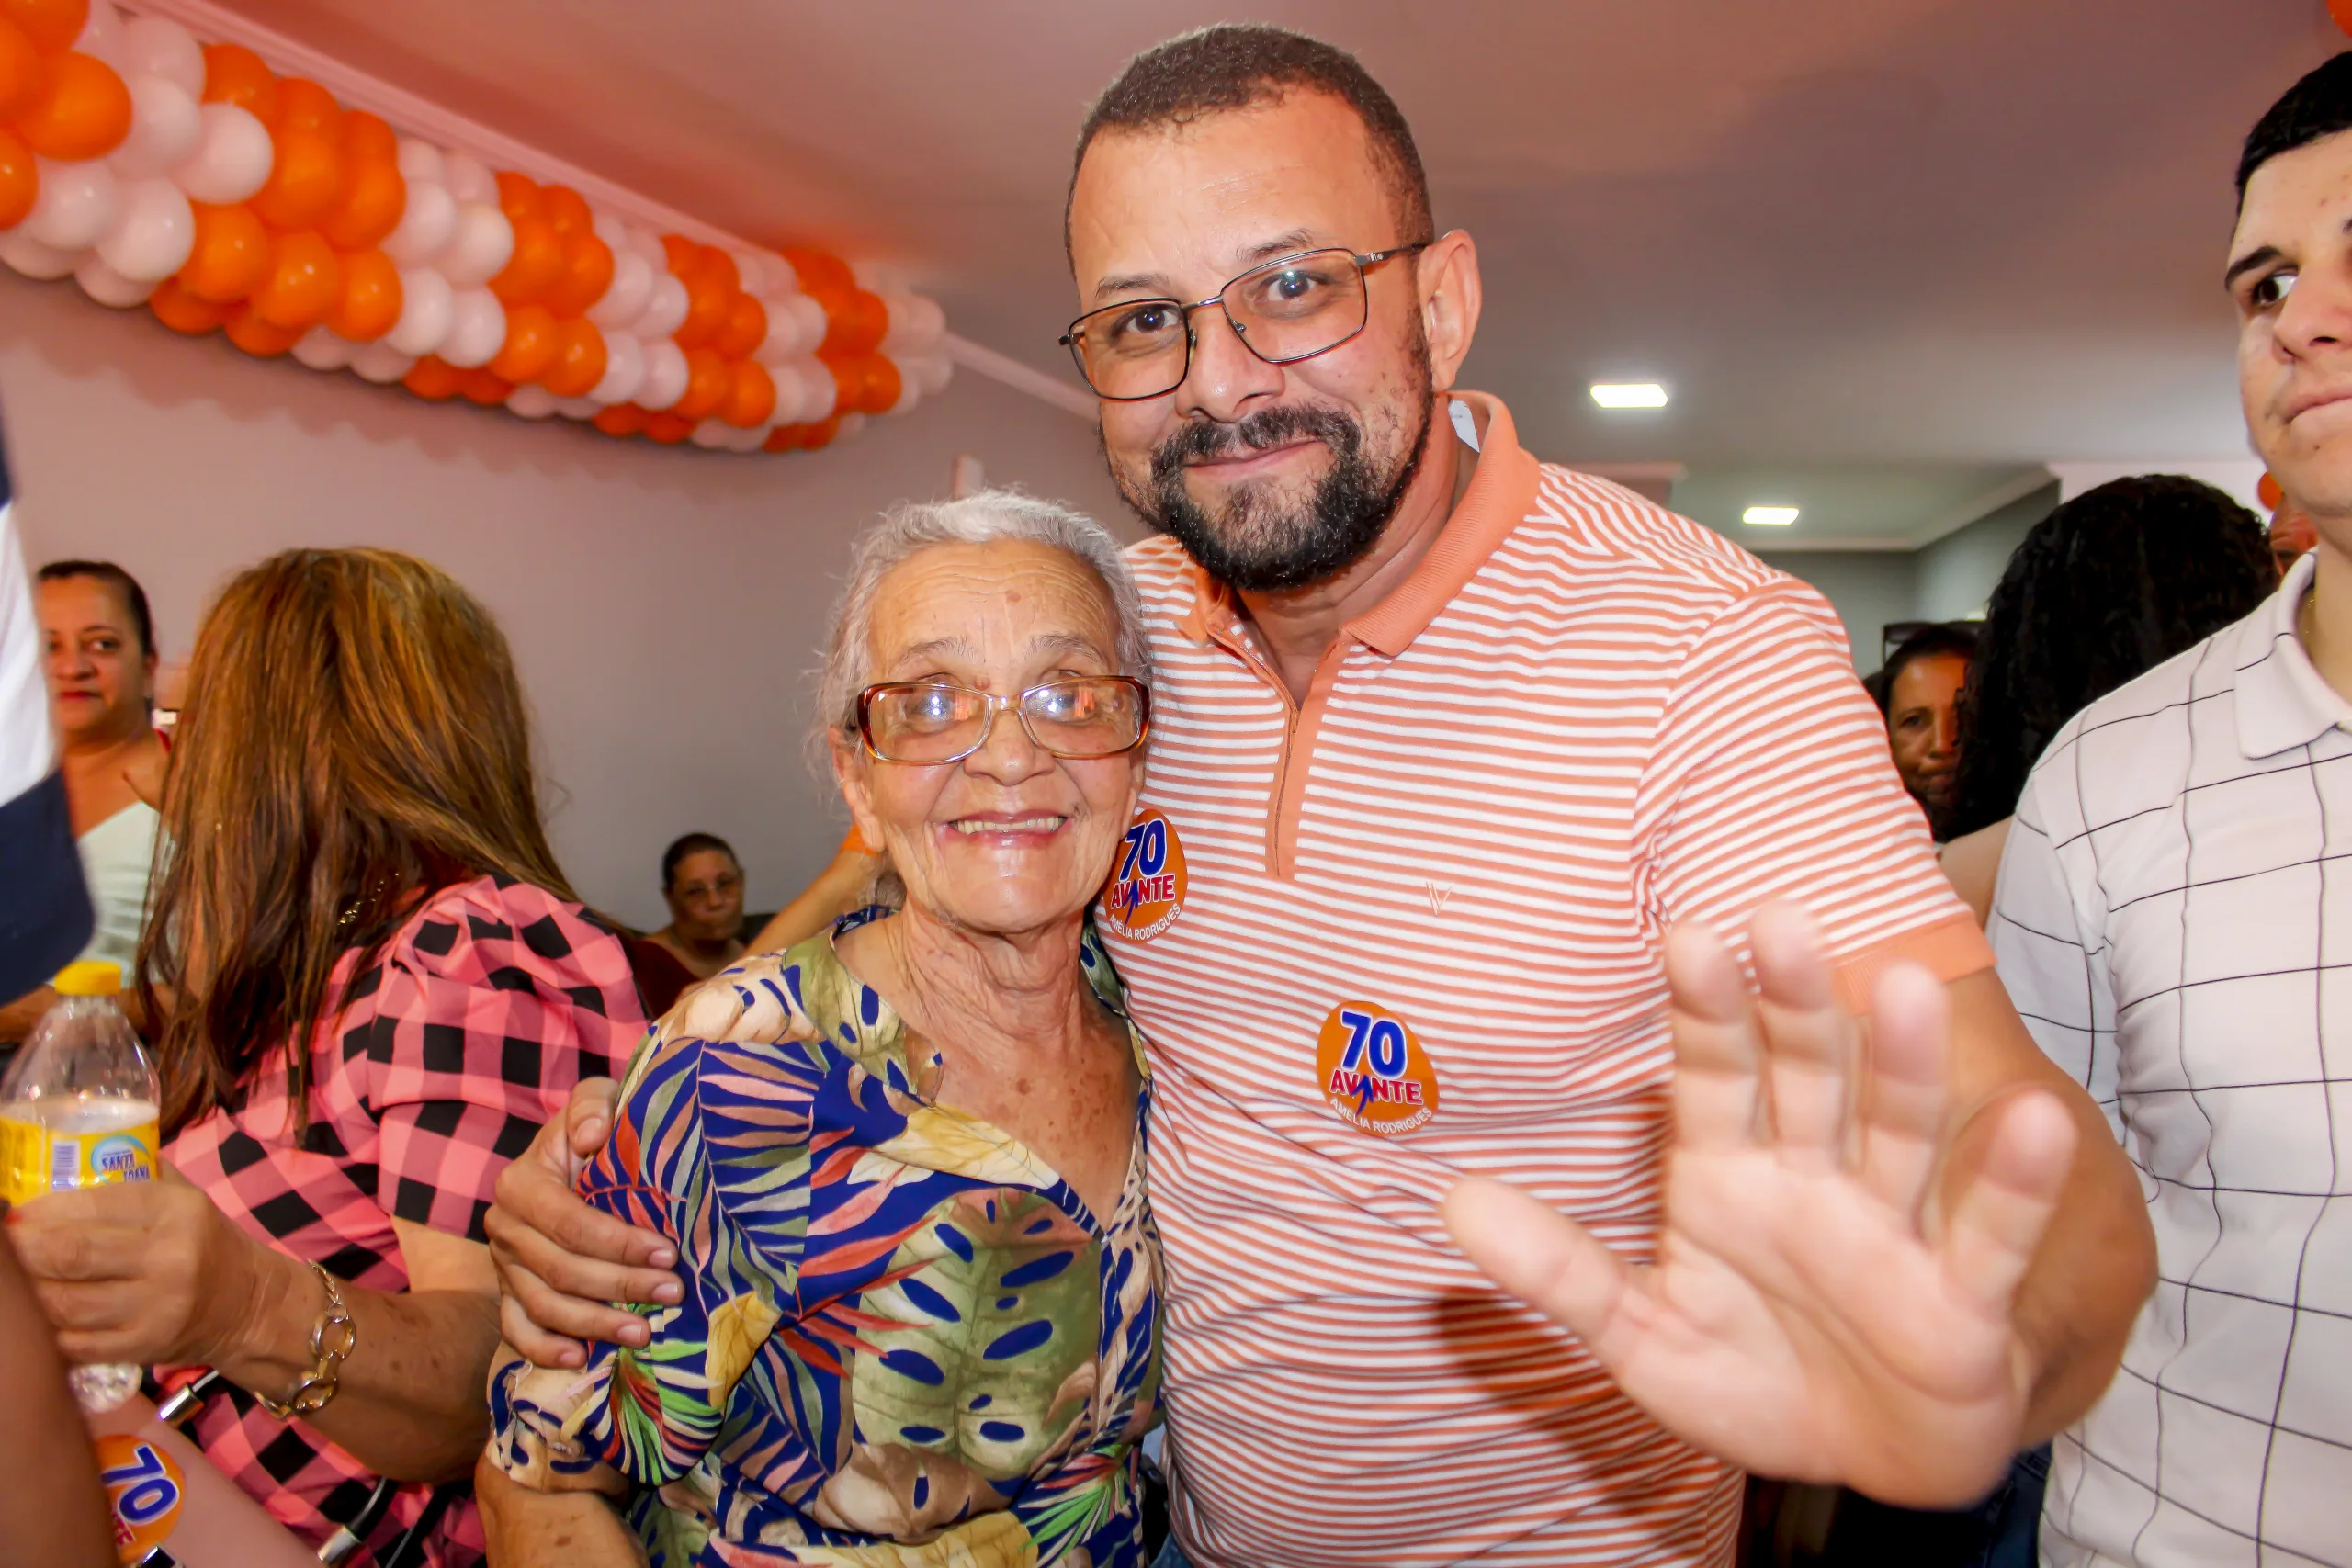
[1918,695]
[2106,588]
[375,986]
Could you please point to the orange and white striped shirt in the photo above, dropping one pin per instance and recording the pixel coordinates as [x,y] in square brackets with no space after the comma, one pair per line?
[1409,930]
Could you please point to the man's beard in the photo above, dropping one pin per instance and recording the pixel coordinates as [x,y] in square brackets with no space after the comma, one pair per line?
[1261,543]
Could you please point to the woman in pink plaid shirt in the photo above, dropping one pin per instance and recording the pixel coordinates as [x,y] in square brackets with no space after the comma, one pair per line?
[359,866]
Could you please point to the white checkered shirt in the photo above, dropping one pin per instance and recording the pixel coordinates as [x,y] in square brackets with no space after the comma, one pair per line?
[2175,921]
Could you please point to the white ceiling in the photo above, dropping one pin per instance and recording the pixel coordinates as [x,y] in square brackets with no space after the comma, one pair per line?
[1942,237]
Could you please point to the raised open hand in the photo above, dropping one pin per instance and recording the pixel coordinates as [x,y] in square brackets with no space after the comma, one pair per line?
[1818,1311]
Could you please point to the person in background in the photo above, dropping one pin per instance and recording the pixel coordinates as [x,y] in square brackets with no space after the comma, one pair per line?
[2170,917]
[1918,695]
[703,884]
[2292,535]
[374,985]
[99,643]
[2104,589]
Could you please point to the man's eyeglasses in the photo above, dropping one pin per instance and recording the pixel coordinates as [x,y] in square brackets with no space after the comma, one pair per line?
[1290,309]
[931,721]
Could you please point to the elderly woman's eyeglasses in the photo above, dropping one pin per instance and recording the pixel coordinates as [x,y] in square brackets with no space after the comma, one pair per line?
[1290,309]
[931,721]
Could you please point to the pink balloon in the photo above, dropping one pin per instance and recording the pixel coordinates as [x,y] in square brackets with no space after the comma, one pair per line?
[481,246]
[428,224]
[429,309]
[531,400]
[666,375]
[32,258]
[323,350]
[623,370]
[107,286]
[625,298]
[665,307]
[154,229]
[381,363]
[167,125]
[231,159]
[477,329]
[820,390]
[790,393]
[422,160]
[469,178]
[157,46]
[76,205]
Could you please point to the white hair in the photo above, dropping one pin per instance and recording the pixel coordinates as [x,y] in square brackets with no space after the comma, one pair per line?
[908,529]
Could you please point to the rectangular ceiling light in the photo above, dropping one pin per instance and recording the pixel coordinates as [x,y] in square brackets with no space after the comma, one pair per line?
[1768,517]
[1629,394]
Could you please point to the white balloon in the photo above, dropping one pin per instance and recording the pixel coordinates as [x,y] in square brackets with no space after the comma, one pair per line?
[820,392]
[231,158]
[665,307]
[910,392]
[791,391]
[34,259]
[428,309]
[579,408]
[482,245]
[666,375]
[783,343]
[428,224]
[749,441]
[107,286]
[101,36]
[157,46]
[477,329]
[609,229]
[381,363]
[811,319]
[77,204]
[153,231]
[323,350]
[852,425]
[625,298]
[420,160]
[916,323]
[712,434]
[531,400]
[623,370]
[165,126]
[469,178]
[648,244]
[935,373]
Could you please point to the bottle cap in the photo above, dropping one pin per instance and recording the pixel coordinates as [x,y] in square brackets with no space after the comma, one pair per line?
[89,978]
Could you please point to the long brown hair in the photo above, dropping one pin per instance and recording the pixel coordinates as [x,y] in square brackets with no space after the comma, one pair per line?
[354,739]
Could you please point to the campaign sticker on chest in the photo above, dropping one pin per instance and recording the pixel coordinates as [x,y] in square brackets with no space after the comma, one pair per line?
[1146,891]
[1374,1069]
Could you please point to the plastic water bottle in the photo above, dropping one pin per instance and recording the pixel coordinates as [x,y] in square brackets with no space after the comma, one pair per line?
[78,1108]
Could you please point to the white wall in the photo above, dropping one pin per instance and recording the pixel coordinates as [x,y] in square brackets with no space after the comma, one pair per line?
[663,603]
[1959,571]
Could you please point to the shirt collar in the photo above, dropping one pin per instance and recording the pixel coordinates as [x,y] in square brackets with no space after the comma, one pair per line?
[2282,703]
[1500,494]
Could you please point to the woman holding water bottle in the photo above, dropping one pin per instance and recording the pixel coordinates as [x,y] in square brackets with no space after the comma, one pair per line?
[373,985]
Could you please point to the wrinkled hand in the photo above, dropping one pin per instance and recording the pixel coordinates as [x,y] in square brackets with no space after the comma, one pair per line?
[1809,1316]
[561,1263]
[143,1271]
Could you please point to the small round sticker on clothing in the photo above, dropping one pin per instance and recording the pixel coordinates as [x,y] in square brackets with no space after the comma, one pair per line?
[1148,881]
[145,1487]
[1375,1070]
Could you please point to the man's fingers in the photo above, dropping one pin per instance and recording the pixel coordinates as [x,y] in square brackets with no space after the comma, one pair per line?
[1541,1256]
[589,1116]
[558,1317]
[1809,1043]
[1905,1094]
[1715,1054]
[2000,1218]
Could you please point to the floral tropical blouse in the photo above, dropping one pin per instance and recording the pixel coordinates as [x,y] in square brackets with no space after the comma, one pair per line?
[905,1340]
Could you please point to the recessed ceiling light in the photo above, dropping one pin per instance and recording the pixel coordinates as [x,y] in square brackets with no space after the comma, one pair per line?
[1768,517]
[1629,394]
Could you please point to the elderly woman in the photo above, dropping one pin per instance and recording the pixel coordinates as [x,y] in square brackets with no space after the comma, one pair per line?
[902,1163]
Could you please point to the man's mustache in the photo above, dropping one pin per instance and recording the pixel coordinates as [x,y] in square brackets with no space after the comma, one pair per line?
[1259,432]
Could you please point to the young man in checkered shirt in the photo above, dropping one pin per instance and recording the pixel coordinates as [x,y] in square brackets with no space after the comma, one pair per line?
[2174,921]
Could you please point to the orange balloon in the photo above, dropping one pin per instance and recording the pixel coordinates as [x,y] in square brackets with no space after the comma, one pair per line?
[621,419]
[51,25]
[819,435]
[434,378]
[366,136]
[486,387]
[587,273]
[745,327]
[370,305]
[752,397]
[81,110]
[783,438]
[721,265]
[518,198]
[2342,11]
[20,69]
[531,344]
[817,269]
[261,338]
[305,180]
[708,303]
[234,74]
[566,208]
[537,263]
[709,380]
[305,279]
[683,254]
[184,313]
[854,321]
[303,105]
[374,196]
[848,380]
[579,362]
[20,181]
[2268,492]
[883,385]
[231,254]
[668,427]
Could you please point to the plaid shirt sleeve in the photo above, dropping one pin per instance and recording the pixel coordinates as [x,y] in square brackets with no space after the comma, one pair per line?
[494,1001]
